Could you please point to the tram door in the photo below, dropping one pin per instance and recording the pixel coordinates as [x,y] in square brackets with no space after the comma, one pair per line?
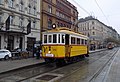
[67,46]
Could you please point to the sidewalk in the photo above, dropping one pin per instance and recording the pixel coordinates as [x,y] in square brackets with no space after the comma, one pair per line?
[20,63]
[97,50]
[16,64]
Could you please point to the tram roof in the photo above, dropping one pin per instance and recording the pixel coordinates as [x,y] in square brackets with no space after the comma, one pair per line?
[65,30]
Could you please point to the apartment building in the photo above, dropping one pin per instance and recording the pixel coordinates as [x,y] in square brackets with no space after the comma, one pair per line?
[97,31]
[59,12]
[19,23]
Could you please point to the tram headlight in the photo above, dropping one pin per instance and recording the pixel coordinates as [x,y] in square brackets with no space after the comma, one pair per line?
[49,52]
[54,26]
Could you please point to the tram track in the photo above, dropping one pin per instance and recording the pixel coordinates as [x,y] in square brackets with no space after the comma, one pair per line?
[94,75]
[65,66]
[25,74]
[102,67]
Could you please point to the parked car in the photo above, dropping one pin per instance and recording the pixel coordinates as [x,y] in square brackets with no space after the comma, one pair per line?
[5,54]
[18,52]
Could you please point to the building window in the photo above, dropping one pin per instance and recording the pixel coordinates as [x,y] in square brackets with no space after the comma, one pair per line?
[58,24]
[88,25]
[21,6]
[11,20]
[93,27]
[57,13]
[29,9]
[92,22]
[11,3]
[34,9]
[30,42]
[0,19]
[1,2]
[74,13]
[21,22]
[88,34]
[93,33]
[34,24]
[49,9]
[50,0]
[49,23]
[61,25]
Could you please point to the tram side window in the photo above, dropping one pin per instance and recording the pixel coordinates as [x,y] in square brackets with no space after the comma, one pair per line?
[72,40]
[45,38]
[85,41]
[82,42]
[50,39]
[78,40]
[63,38]
[54,38]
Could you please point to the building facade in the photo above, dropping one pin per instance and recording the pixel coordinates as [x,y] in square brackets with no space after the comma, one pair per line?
[59,12]
[19,23]
[97,31]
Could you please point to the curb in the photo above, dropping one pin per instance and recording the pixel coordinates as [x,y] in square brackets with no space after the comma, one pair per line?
[23,67]
[97,50]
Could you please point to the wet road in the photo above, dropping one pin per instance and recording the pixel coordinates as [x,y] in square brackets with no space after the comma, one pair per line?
[26,73]
[92,69]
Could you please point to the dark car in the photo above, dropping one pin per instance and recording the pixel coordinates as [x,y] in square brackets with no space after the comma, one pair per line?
[18,52]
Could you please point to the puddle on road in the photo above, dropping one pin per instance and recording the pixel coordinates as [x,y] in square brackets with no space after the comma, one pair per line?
[47,77]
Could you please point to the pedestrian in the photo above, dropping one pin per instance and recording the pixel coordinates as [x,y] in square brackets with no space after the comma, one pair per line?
[34,51]
[37,53]
[40,53]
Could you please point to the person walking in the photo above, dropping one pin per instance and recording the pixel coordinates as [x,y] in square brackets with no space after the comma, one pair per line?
[37,53]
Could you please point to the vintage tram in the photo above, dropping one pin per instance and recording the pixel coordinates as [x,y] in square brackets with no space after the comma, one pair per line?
[110,45]
[62,45]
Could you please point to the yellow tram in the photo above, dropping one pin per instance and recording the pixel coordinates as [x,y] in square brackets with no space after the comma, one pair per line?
[63,45]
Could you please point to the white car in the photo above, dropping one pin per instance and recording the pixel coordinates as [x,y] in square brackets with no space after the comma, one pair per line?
[6,54]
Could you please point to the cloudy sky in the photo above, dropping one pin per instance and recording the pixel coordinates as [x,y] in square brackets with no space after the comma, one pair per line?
[107,11]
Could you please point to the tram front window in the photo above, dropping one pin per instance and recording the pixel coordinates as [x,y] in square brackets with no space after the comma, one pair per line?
[45,38]
[54,38]
[63,38]
[58,38]
[50,39]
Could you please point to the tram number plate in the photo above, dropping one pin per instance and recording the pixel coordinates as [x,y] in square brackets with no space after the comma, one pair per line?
[49,55]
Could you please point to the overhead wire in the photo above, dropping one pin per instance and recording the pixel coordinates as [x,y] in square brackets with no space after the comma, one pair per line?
[101,10]
[81,7]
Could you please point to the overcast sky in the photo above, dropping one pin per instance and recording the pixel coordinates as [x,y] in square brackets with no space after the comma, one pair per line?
[107,11]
